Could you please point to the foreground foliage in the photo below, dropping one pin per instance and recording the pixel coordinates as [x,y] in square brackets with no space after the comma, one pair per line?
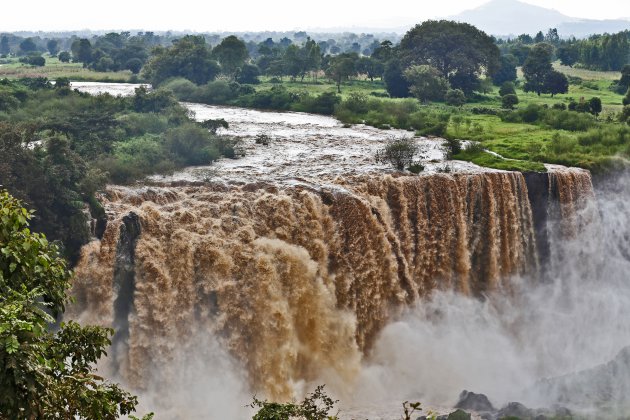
[44,374]
[315,406]
[59,146]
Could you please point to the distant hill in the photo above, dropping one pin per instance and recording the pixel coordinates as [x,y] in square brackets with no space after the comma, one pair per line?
[513,17]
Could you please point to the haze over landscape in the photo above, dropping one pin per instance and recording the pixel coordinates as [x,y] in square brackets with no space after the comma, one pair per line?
[280,15]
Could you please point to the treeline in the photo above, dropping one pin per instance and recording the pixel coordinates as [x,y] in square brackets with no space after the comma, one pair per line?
[605,52]
[58,147]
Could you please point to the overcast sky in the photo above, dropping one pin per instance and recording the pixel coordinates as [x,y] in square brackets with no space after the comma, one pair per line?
[256,15]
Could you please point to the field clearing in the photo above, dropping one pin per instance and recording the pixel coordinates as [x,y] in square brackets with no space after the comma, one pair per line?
[55,69]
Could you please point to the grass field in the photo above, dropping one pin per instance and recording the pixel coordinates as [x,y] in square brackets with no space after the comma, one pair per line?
[54,69]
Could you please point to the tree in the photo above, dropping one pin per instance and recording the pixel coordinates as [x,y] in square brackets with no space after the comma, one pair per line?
[595,105]
[536,67]
[341,68]
[399,153]
[64,57]
[506,71]
[455,97]
[426,83]
[384,52]
[82,51]
[370,67]
[625,76]
[624,116]
[53,46]
[540,37]
[4,45]
[507,88]
[509,101]
[555,82]
[45,374]
[459,51]
[134,64]
[231,54]
[568,54]
[395,82]
[189,57]
[28,46]
[626,99]
[249,74]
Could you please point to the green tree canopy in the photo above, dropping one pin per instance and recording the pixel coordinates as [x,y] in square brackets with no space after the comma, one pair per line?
[231,54]
[189,57]
[459,51]
[426,83]
[341,68]
[53,46]
[536,67]
[45,375]
[28,46]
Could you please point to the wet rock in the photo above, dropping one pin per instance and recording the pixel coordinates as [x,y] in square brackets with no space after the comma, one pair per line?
[516,409]
[458,415]
[475,402]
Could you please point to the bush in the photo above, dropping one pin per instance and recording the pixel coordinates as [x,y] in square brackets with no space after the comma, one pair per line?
[624,116]
[322,104]
[567,120]
[626,99]
[560,144]
[216,92]
[356,103]
[399,153]
[278,98]
[183,89]
[263,139]
[559,106]
[316,406]
[455,97]
[214,125]
[507,88]
[483,110]
[608,136]
[452,147]
[192,144]
[509,101]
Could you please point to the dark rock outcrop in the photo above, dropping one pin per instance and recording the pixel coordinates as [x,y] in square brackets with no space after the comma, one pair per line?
[475,402]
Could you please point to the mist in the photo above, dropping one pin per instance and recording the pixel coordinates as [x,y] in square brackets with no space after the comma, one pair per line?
[570,318]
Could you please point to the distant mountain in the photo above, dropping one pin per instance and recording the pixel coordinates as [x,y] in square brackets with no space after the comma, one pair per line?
[513,17]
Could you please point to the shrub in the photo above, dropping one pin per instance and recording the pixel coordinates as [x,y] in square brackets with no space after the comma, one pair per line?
[183,89]
[214,125]
[263,139]
[192,144]
[626,99]
[567,120]
[509,101]
[216,92]
[416,168]
[356,103]
[316,406]
[507,88]
[595,105]
[483,110]
[560,144]
[398,153]
[455,97]
[322,104]
[452,147]
[559,106]
[624,116]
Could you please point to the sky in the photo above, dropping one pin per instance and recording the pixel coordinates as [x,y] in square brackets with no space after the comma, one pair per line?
[257,15]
